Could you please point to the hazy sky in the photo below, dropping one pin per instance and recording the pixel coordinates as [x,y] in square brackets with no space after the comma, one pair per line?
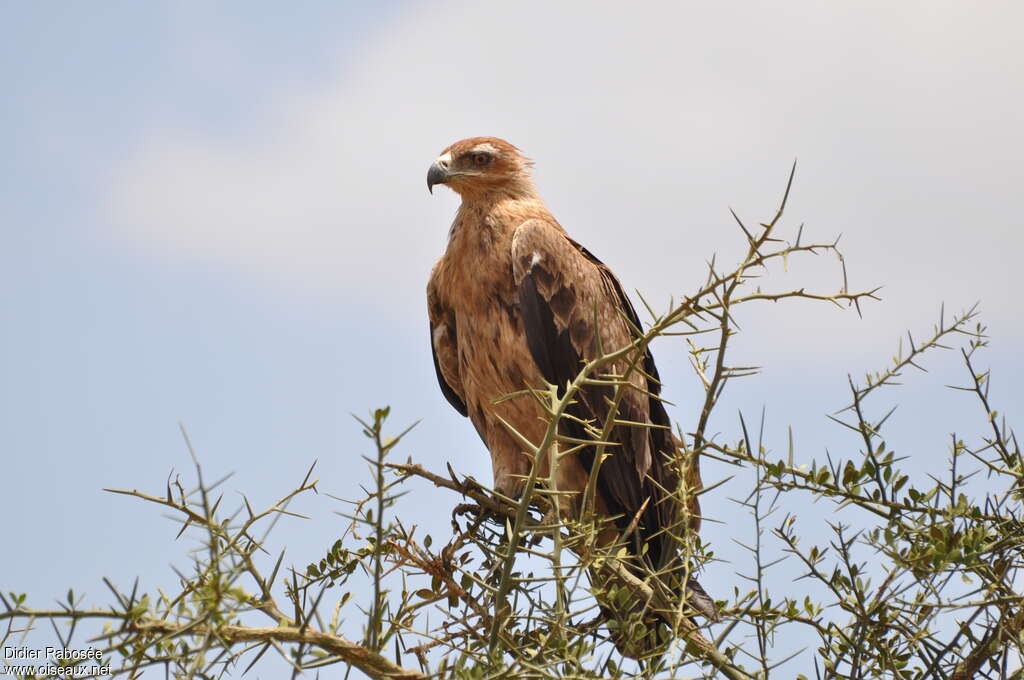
[218,214]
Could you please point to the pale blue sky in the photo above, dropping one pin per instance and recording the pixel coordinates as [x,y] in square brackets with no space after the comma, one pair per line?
[217,214]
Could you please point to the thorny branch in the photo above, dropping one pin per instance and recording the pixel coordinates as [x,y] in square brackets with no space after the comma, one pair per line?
[494,602]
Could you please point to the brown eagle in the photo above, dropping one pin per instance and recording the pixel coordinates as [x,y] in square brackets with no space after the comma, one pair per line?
[514,302]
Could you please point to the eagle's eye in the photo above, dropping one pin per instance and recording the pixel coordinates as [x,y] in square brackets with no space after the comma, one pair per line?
[480,158]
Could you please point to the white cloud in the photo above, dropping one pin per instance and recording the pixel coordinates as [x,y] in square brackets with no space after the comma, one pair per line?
[645,126]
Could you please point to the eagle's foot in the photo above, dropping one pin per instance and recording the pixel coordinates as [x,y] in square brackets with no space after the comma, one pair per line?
[462,509]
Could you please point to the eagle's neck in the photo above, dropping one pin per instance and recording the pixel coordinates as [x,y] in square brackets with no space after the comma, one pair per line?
[487,219]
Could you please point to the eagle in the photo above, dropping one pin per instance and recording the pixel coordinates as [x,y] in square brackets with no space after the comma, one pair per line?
[515,303]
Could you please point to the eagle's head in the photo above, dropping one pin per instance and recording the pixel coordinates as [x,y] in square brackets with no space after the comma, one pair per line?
[480,166]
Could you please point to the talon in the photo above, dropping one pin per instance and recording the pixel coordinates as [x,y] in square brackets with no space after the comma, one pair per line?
[465,509]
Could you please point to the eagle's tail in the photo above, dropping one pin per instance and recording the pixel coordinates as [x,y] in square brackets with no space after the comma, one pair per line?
[699,599]
[640,627]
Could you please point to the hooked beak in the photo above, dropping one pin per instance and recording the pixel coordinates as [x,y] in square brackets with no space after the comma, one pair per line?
[438,172]
[436,175]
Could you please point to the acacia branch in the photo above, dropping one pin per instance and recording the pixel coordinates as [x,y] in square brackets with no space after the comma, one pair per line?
[1006,631]
[366,660]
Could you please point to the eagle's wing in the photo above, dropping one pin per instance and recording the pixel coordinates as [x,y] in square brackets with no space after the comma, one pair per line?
[444,347]
[572,308]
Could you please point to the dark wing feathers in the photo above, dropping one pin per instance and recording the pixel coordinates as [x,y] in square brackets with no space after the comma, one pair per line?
[451,395]
[443,347]
[569,300]
[551,349]
[662,435]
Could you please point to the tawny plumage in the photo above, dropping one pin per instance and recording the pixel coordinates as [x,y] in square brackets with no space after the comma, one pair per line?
[515,302]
